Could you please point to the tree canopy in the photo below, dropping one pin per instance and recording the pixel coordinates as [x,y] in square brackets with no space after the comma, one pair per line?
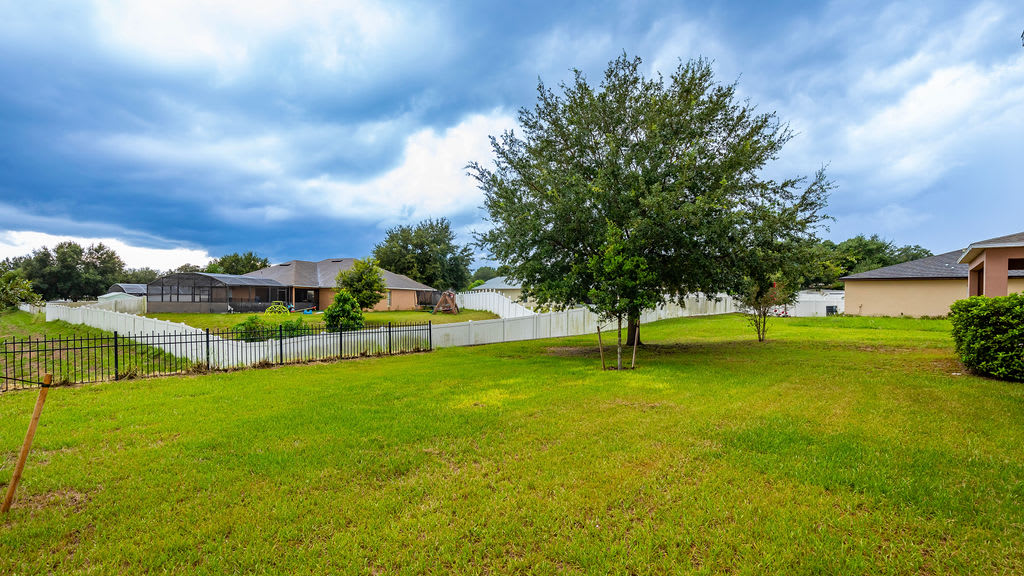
[427,253]
[72,272]
[858,254]
[237,264]
[635,191]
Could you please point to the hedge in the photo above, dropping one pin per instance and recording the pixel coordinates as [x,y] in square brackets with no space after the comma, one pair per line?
[989,335]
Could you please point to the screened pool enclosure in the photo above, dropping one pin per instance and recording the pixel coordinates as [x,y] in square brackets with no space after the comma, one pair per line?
[205,292]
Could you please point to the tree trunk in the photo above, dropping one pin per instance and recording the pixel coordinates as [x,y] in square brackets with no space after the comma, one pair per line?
[632,332]
[618,351]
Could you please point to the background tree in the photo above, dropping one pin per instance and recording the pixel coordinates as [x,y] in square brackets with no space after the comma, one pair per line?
[858,254]
[675,165]
[427,253]
[14,289]
[237,264]
[101,267]
[484,273]
[72,272]
[344,313]
[364,282]
[185,268]
[139,275]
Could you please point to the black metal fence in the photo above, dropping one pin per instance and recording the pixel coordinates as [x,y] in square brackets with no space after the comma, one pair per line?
[75,360]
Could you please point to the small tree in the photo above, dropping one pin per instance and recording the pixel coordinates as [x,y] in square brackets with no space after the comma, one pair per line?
[364,282]
[623,281]
[760,301]
[14,289]
[344,313]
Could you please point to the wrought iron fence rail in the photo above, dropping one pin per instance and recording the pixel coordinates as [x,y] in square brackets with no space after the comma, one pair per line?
[79,360]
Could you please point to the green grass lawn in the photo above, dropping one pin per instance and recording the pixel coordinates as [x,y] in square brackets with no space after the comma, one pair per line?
[841,446]
[230,320]
[70,367]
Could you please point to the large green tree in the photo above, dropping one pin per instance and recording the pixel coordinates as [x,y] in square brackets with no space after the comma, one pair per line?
[675,164]
[72,272]
[427,253]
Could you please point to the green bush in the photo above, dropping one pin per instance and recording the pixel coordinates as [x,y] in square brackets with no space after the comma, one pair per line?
[344,313]
[253,329]
[989,335]
[294,327]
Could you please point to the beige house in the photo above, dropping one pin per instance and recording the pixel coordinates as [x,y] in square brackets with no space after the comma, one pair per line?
[312,284]
[928,286]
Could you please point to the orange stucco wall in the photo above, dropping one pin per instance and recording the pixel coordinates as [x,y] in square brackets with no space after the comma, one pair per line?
[400,300]
[993,264]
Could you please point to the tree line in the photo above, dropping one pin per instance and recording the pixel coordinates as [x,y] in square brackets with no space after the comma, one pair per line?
[70,271]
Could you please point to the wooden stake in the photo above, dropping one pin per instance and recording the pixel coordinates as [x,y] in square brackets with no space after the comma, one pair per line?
[600,346]
[636,338]
[27,445]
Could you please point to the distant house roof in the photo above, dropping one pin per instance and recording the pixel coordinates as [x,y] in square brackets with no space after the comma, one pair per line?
[940,266]
[133,289]
[322,274]
[226,279]
[1009,241]
[499,283]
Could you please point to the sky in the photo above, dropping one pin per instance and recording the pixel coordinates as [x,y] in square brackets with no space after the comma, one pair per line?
[182,130]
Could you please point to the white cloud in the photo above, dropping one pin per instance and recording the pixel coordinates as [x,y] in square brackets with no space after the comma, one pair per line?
[430,181]
[231,35]
[20,243]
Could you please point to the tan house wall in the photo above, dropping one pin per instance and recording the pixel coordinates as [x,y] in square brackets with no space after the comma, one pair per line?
[400,300]
[926,297]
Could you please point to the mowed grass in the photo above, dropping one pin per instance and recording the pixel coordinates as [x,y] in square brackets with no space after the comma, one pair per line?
[841,446]
[222,321]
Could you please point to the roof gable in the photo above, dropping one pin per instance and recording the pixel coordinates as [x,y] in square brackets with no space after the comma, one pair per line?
[940,266]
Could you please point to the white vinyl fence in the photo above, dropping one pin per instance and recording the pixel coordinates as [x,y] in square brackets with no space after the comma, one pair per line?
[574,322]
[187,342]
[128,305]
[492,302]
[197,345]
[31,308]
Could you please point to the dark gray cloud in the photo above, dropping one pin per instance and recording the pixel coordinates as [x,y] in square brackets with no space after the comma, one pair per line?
[304,131]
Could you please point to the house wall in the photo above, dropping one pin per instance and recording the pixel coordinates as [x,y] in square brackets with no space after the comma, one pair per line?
[993,262]
[400,300]
[926,297]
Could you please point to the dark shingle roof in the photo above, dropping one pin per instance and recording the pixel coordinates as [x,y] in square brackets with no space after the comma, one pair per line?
[936,267]
[975,249]
[233,280]
[322,274]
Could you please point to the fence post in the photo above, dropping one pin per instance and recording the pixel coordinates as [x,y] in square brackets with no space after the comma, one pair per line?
[280,344]
[116,365]
[207,348]
[430,334]
[389,338]
[341,343]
